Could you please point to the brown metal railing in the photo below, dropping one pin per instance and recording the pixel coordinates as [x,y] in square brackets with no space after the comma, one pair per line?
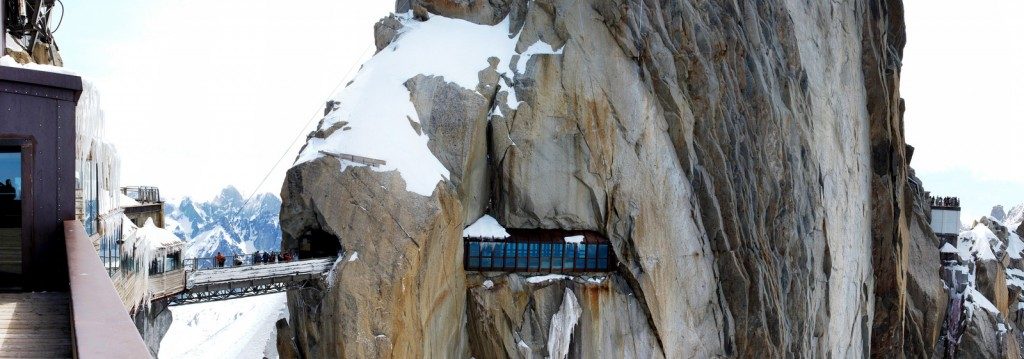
[537,256]
[101,325]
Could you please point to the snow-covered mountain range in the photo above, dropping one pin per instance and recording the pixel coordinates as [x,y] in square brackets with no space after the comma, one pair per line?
[226,224]
[1011,218]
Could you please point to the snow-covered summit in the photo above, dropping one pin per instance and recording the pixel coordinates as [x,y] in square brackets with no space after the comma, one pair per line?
[375,108]
[226,224]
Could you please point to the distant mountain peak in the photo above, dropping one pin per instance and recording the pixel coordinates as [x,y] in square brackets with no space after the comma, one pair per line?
[998,213]
[224,225]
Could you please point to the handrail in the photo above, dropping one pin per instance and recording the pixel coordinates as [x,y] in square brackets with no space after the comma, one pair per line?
[102,327]
[243,260]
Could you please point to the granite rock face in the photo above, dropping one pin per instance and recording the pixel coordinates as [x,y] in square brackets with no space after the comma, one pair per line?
[153,321]
[746,160]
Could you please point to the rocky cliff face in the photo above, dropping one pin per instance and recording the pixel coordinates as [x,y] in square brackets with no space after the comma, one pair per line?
[746,160]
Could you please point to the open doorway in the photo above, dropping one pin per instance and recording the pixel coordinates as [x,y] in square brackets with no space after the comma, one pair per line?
[10,217]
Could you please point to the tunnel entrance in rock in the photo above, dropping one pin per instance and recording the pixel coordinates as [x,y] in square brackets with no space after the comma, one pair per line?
[317,243]
[527,250]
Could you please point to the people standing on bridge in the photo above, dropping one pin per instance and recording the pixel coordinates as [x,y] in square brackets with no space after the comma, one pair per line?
[238,261]
[220,259]
[256,257]
[266,257]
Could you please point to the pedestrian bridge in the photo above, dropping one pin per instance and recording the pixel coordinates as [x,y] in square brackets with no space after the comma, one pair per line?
[220,283]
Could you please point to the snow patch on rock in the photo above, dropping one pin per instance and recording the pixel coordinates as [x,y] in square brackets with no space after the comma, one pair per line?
[375,106]
[485,227]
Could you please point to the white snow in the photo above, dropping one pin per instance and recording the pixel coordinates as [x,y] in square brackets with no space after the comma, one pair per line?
[574,239]
[1014,217]
[979,300]
[596,280]
[157,238]
[376,104]
[948,248]
[1015,247]
[9,61]
[237,328]
[1015,277]
[208,241]
[128,201]
[355,255]
[488,284]
[485,227]
[562,324]
[978,242]
[332,273]
[545,278]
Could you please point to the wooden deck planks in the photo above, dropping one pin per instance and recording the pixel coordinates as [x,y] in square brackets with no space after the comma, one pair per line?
[35,325]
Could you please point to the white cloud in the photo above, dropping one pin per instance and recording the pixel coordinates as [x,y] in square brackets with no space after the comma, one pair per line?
[200,94]
[963,81]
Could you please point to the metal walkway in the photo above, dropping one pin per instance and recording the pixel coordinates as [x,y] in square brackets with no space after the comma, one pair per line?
[236,282]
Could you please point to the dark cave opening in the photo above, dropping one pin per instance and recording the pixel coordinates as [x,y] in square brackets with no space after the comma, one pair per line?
[317,243]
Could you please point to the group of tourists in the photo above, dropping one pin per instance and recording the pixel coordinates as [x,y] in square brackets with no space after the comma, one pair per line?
[257,258]
[945,202]
[270,257]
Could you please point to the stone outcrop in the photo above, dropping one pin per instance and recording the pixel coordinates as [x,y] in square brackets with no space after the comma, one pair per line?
[512,318]
[927,300]
[285,343]
[153,321]
[746,160]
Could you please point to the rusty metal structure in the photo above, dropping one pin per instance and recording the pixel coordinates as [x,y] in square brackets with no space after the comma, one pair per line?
[37,125]
[540,251]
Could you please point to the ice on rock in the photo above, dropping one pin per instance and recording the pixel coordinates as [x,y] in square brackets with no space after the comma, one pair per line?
[562,324]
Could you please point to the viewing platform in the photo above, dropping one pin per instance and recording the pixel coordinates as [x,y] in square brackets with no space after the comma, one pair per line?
[540,251]
[945,219]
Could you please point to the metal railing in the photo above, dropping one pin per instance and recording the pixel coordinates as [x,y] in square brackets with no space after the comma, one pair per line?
[241,260]
[550,257]
[142,194]
[102,327]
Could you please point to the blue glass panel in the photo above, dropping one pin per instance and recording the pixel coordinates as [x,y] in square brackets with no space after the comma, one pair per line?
[602,251]
[602,263]
[474,263]
[487,249]
[485,262]
[521,251]
[591,251]
[591,264]
[474,249]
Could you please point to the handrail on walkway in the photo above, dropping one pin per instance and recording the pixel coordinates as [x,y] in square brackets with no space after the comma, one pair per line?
[232,261]
[102,327]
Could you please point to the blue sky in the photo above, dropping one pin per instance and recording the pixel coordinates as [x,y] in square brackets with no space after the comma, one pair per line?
[200,94]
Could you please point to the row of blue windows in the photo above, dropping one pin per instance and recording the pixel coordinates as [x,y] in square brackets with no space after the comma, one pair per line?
[537,256]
